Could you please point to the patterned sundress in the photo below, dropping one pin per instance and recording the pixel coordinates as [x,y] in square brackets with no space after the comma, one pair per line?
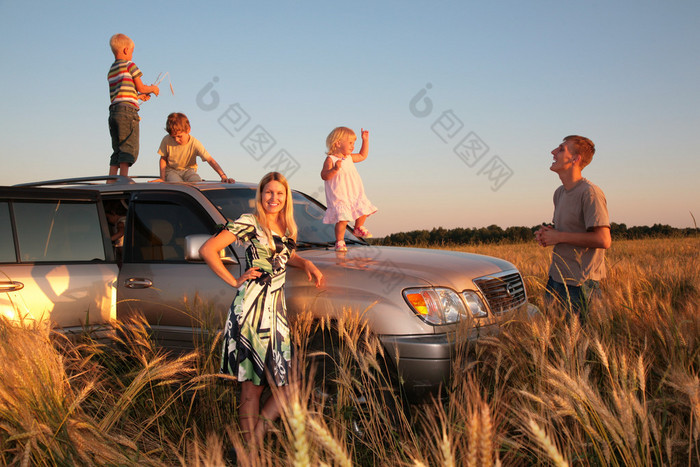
[256,336]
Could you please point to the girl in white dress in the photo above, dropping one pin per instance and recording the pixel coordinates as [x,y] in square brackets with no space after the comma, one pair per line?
[345,194]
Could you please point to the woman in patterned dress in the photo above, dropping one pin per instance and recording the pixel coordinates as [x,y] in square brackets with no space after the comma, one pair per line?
[257,347]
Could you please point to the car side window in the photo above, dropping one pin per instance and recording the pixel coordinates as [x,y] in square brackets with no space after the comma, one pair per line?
[159,227]
[58,231]
[7,242]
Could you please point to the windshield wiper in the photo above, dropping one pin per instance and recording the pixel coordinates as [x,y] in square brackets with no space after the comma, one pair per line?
[305,244]
[348,241]
[355,242]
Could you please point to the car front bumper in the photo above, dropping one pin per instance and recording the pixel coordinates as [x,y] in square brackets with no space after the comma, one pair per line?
[424,362]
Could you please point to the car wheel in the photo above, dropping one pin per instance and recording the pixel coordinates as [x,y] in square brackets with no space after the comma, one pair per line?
[351,380]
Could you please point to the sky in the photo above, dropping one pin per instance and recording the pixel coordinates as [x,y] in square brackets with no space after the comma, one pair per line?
[463,101]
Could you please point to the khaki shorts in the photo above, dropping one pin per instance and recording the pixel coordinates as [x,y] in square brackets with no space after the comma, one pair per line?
[184,175]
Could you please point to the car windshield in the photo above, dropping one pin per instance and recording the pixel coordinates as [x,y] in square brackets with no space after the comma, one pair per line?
[308,213]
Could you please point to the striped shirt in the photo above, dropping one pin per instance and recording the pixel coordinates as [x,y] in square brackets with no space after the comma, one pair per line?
[121,78]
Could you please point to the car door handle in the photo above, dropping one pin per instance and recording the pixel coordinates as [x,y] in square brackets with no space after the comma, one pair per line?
[10,286]
[138,283]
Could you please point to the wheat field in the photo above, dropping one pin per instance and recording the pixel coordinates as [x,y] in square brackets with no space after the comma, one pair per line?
[623,389]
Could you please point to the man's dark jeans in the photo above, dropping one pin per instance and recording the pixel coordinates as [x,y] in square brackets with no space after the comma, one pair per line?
[574,299]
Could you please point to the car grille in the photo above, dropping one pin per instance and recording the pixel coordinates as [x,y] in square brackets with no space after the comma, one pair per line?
[503,292]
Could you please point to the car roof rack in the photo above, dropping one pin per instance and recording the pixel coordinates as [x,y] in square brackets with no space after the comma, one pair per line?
[120,179]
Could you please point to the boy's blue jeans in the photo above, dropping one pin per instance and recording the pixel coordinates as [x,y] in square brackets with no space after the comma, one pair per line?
[577,299]
[124,130]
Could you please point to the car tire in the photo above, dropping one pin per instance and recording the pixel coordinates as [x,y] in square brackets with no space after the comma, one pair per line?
[352,382]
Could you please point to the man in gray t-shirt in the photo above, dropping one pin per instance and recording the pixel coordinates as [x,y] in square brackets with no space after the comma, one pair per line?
[581,231]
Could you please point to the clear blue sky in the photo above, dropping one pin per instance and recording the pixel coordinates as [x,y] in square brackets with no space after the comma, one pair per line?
[512,76]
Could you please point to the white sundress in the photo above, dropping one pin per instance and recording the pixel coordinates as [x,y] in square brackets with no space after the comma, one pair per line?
[345,194]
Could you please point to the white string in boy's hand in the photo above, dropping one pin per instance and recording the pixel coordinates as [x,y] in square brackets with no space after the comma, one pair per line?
[161,77]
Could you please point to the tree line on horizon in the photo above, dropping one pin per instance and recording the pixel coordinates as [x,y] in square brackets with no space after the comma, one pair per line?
[495,234]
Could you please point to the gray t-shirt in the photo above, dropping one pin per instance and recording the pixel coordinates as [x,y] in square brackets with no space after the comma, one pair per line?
[579,209]
[181,157]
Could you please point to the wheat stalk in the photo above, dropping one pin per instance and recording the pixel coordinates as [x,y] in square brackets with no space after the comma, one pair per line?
[547,445]
[485,435]
[448,458]
[473,426]
[330,443]
[300,442]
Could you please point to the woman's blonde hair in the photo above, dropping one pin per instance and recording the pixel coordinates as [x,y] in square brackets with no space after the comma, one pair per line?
[287,211]
[337,135]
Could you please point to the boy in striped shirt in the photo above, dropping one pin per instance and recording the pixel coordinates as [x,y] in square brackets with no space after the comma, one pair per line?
[125,91]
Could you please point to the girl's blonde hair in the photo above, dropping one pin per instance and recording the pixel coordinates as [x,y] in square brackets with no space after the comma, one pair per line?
[287,212]
[337,135]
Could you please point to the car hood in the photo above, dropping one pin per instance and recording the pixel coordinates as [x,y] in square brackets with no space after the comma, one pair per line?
[411,267]
[370,280]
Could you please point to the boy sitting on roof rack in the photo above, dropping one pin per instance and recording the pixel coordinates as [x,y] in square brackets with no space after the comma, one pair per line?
[178,153]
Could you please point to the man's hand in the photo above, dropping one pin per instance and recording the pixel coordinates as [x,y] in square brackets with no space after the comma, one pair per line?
[547,235]
[540,234]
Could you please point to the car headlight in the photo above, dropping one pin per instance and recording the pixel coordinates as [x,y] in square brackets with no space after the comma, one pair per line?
[439,305]
[474,303]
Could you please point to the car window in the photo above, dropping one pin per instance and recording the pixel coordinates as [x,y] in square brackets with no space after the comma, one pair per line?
[58,231]
[7,243]
[159,229]
[308,214]
[232,203]
[309,218]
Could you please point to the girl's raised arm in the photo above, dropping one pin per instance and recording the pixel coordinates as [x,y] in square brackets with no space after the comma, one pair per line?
[364,149]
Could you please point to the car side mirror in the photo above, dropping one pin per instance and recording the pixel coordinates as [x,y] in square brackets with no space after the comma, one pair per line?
[194,242]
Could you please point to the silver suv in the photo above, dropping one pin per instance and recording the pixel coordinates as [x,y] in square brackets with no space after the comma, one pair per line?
[57,262]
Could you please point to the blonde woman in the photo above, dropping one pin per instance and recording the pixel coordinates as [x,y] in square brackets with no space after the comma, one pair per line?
[257,348]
